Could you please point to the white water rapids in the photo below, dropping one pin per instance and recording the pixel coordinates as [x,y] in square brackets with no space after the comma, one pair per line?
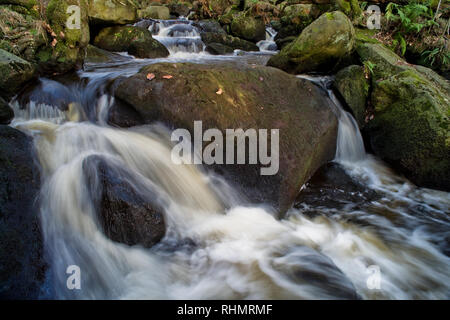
[214,248]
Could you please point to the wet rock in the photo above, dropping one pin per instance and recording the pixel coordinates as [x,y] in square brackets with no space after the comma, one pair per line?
[112,12]
[228,41]
[136,41]
[317,272]
[14,73]
[6,113]
[180,9]
[22,266]
[352,85]
[250,97]
[320,46]
[218,49]
[97,55]
[128,213]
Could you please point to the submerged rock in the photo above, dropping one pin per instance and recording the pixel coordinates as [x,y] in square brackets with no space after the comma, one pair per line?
[253,97]
[127,214]
[136,41]
[112,12]
[22,266]
[320,46]
[14,73]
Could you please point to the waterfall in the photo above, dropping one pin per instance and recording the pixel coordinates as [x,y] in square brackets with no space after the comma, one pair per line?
[177,35]
[350,144]
[214,248]
[268,45]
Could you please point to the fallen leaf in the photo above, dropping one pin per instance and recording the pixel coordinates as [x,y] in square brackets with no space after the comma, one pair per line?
[220,91]
[150,76]
[54,42]
[62,35]
[261,79]
[167,76]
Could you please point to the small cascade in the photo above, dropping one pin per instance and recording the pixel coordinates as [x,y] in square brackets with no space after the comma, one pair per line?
[350,144]
[176,35]
[268,44]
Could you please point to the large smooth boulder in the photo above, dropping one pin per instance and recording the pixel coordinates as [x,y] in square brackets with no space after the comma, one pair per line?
[136,41]
[128,213]
[252,97]
[22,266]
[112,12]
[6,113]
[249,28]
[14,73]
[227,43]
[67,48]
[353,86]
[320,46]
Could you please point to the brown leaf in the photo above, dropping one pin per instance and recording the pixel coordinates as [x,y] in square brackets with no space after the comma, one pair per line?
[54,42]
[220,91]
[150,76]
[167,76]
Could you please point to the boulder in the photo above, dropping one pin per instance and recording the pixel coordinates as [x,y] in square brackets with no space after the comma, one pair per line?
[14,73]
[210,38]
[23,3]
[320,46]
[154,12]
[112,12]
[22,266]
[410,127]
[180,9]
[295,18]
[249,28]
[136,41]
[253,97]
[210,26]
[128,213]
[67,49]
[353,86]
[6,113]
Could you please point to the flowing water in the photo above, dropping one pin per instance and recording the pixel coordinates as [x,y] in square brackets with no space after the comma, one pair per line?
[342,232]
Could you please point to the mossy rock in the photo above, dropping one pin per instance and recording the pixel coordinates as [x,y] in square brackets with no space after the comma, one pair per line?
[14,73]
[295,18]
[255,97]
[228,41]
[67,49]
[154,12]
[320,46]
[136,41]
[24,3]
[112,12]
[353,86]
[410,128]
[249,28]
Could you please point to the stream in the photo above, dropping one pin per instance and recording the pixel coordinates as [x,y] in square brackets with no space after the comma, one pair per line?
[358,230]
